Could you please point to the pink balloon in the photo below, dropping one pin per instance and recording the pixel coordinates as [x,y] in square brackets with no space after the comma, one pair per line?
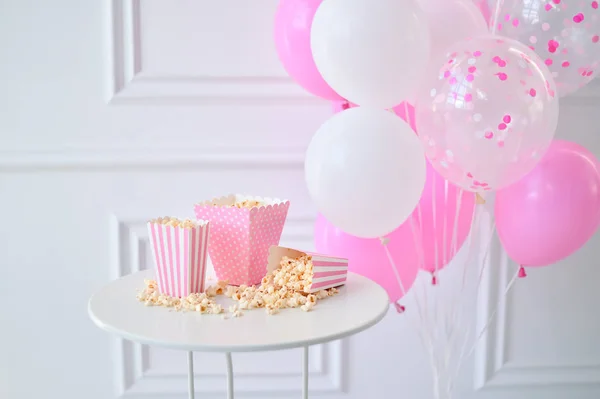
[367,257]
[552,211]
[293,21]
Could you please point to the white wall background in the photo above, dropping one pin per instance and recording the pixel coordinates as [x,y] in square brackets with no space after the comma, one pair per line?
[112,112]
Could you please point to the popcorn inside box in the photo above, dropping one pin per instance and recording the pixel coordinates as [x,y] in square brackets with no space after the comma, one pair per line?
[305,271]
[242,230]
[179,249]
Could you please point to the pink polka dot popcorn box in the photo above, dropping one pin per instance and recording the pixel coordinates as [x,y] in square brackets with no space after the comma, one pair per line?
[179,248]
[307,271]
[242,230]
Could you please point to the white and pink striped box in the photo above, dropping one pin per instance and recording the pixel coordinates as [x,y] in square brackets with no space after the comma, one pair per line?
[180,255]
[328,271]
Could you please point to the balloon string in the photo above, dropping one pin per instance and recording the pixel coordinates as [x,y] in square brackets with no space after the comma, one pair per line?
[455,311]
[418,242]
[433,215]
[423,314]
[491,318]
[445,255]
[459,195]
[407,114]
[487,252]
[474,241]
[459,317]
[384,242]
[484,262]
[499,4]
[427,323]
[475,219]
[470,239]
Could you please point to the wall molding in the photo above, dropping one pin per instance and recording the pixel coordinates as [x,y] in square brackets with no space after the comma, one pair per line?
[491,368]
[129,83]
[263,158]
[134,377]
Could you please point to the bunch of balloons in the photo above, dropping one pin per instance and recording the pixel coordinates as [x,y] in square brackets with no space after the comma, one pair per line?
[484,78]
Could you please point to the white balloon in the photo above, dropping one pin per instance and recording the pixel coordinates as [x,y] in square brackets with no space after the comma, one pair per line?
[370,52]
[365,170]
[451,21]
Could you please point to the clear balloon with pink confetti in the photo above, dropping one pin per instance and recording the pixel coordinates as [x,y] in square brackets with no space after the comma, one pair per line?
[564,33]
[487,112]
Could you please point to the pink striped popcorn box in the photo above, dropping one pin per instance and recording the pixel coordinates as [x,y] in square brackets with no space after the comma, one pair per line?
[242,230]
[327,271]
[180,256]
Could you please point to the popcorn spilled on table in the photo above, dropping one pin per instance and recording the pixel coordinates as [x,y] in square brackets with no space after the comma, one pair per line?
[266,276]
[287,286]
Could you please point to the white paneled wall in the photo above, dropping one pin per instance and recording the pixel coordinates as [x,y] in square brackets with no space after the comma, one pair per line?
[112,112]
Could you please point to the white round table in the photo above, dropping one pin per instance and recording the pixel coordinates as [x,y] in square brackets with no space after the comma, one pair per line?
[360,304]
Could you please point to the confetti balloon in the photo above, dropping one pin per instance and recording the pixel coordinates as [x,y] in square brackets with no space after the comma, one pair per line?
[564,33]
[487,112]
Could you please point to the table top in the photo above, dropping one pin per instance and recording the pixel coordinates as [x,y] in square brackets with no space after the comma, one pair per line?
[360,304]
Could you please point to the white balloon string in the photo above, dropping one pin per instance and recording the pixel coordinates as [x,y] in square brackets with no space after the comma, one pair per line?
[424,332]
[407,114]
[470,240]
[445,256]
[422,302]
[455,324]
[497,9]
[384,242]
[456,313]
[429,327]
[491,318]
[476,228]
[418,242]
[479,278]
[487,250]
[454,250]
[459,194]
[433,215]
[417,238]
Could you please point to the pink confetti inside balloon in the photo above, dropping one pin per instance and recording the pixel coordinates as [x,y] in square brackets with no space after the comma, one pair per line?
[486,132]
[563,33]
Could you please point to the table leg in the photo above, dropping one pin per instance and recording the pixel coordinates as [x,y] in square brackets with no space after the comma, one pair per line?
[191,375]
[229,375]
[305,373]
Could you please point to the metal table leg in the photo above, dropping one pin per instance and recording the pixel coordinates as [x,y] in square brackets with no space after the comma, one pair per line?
[191,375]
[191,393]
[305,373]
[229,375]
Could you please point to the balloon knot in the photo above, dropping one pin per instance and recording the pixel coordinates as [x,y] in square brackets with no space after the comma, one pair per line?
[345,105]
[384,240]
[399,308]
[433,279]
[522,272]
